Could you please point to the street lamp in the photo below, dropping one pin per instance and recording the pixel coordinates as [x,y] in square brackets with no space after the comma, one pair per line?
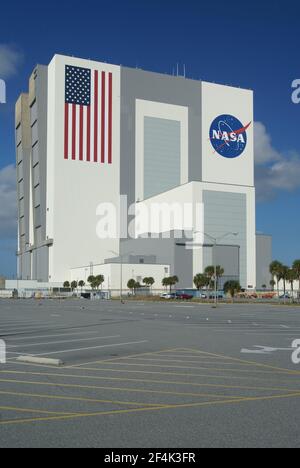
[121,269]
[215,242]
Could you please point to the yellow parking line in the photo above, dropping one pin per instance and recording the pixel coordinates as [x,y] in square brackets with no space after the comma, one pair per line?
[206,358]
[122,357]
[188,361]
[139,410]
[30,410]
[243,371]
[179,374]
[282,370]
[86,400]
[123,389]
[167,382]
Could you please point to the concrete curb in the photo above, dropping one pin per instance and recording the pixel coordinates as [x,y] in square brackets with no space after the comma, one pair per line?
[40,360]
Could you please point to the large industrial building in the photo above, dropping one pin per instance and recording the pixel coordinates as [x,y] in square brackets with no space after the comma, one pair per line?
[104,151]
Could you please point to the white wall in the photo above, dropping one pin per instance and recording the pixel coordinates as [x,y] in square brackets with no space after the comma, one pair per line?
[75,188]
[111,273]
[218,100]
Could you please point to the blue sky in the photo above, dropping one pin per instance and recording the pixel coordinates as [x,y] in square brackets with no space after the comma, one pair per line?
[252,45]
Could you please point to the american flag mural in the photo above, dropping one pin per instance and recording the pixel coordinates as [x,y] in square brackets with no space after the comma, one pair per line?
[88,115]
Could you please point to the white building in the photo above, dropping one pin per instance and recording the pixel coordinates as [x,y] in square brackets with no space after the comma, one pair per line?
[89,132]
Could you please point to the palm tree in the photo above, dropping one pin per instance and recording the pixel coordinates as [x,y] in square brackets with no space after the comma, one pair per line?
[81,284]
[74,285]
[272,284]
[91,280]
[276,271]
[291,278]
[232,287]
[173,281]
[149,281]
[170,281]
[296,268]
[284,276]
[67,285]
[210,272]
[201,281]
[131,285]
[99,280]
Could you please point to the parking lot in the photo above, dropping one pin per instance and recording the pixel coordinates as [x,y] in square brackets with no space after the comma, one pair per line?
[149,375]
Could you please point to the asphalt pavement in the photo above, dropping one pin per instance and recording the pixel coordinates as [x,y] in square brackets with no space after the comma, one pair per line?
[143,374]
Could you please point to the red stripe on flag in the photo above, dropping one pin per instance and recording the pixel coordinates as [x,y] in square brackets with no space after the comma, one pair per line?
[81,134]
[110,120]
[88,134]
[96,117]
[73,131]
[66,130]
[103,119]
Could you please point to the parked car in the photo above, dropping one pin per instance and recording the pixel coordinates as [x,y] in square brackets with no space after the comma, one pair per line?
[184,296]
[168,296]
[285,296]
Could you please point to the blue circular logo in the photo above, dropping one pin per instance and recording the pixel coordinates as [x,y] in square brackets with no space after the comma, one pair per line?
[228,136]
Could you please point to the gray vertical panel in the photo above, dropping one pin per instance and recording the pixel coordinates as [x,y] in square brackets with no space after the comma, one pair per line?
[20,171]
[43,264]
[263,260]
[227,212]
[18,134]
[35,154]
[161,155]
[33,113]
[183,266]
[41,84]
[34,133]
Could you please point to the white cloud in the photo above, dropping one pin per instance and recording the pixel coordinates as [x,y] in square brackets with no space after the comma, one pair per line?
[10,59]
[274,171]
[263,149]
[8,204]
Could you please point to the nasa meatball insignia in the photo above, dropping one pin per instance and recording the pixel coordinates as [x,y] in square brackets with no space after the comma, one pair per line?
[228,136]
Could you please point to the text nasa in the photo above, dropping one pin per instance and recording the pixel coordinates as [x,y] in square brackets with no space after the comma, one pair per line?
[296,92]
[228,136]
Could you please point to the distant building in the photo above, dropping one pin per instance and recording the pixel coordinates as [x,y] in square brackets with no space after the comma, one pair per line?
[2,282]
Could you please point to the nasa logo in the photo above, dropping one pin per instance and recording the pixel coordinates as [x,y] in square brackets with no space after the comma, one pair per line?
[228,136]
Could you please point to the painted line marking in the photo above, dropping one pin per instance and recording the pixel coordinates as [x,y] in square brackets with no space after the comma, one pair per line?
[86,400]
[86,349]
[51,336]
[120,357]
[198,384]
[187,405]
[270,372]
[30,410]
[267,366]
[64,341]
[118,389]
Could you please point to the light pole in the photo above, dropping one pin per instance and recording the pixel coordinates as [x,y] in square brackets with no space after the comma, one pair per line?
[215,243]
[121,270]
